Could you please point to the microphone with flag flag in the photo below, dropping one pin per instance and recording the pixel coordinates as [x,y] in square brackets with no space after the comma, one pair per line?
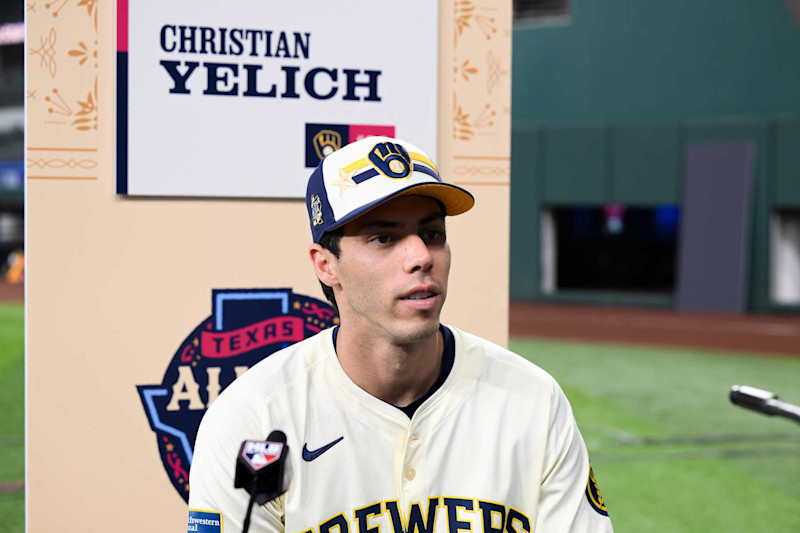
[262,469]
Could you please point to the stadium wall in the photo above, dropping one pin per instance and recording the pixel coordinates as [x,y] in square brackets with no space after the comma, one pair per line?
[607,100]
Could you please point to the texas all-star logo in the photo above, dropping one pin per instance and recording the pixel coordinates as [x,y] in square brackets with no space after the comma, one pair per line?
[245,326]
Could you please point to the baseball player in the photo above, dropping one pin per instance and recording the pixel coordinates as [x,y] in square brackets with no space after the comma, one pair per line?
[396,422]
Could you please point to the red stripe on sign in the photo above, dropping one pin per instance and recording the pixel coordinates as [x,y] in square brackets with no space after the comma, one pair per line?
[222,344]
[362,131]
[122,25]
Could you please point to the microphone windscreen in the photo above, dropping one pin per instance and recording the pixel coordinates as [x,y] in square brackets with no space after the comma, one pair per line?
[277,436]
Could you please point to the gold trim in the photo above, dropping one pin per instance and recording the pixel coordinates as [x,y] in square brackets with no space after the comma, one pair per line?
[62,177]
[487,157]
[494,183]
[43,149]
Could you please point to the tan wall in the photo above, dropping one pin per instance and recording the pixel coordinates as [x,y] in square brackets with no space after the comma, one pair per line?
[115,284]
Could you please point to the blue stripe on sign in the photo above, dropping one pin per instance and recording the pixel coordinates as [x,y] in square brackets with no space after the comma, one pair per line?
[122,123]
[222,297]
[161,426]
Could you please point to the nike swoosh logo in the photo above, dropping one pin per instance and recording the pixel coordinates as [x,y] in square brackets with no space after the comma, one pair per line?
[310,455]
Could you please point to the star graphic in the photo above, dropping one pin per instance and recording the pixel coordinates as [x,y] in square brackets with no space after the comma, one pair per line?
[345,180]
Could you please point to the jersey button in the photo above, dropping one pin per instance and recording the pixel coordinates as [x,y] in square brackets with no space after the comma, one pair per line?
[410,474]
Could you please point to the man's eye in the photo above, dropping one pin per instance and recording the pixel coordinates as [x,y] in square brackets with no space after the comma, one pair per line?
[434,235]
[381,239]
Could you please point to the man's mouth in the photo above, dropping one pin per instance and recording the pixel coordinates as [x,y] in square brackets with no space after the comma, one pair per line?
[419,295]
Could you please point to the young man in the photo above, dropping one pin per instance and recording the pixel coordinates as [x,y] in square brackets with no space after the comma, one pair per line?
[405,425]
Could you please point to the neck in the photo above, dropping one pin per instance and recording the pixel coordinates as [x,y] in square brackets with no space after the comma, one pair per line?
[398,374]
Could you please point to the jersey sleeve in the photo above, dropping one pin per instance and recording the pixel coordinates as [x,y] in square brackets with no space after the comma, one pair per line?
[211,491]
[569,499]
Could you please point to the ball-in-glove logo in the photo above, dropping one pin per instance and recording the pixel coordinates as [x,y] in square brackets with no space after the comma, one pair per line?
[326,142]
[391,160]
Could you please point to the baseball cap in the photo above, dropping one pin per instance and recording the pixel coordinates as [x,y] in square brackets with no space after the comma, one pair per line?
[366,173]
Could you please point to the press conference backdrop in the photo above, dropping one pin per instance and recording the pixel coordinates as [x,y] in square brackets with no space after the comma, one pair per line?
[121,286]
[277,87]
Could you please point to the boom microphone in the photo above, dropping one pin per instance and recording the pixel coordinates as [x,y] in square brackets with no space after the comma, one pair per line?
[764,402]
[263,470]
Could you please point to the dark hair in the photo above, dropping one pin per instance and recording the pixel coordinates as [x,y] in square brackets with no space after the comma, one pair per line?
[330,241]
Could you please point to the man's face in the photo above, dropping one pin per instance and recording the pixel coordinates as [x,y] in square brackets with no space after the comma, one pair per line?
[392,270]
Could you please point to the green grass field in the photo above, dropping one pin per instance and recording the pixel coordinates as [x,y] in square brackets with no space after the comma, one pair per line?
[671,454]
[12,415]
[669,450]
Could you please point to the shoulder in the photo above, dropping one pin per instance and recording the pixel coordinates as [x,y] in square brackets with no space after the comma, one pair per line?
[500,359]
[282,373]
[505,382]
[494,365]
[268,396]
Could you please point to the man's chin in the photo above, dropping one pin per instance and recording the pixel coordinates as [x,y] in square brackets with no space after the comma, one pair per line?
[417,333]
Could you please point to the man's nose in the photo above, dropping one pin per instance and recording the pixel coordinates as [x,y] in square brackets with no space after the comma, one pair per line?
[417,254]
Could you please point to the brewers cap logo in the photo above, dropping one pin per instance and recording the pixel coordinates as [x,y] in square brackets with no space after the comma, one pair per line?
[391,160]
[326,142]
[593,494]
[316,210]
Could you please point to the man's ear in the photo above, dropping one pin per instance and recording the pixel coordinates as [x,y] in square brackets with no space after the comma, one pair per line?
[324,263]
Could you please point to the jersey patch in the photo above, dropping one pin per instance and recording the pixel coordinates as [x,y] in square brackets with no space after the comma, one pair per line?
[593,494]
[205,521]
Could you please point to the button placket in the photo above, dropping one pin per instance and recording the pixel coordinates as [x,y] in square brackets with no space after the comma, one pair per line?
[413,480]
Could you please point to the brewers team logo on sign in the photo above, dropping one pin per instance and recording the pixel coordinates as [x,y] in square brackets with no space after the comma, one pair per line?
[326,142]
[245,326]
[322,139]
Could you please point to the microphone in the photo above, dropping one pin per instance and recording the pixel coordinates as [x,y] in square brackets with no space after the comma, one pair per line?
[763,402]
[263,470]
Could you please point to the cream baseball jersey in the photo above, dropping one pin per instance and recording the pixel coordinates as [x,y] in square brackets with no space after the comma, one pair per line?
[494,449]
